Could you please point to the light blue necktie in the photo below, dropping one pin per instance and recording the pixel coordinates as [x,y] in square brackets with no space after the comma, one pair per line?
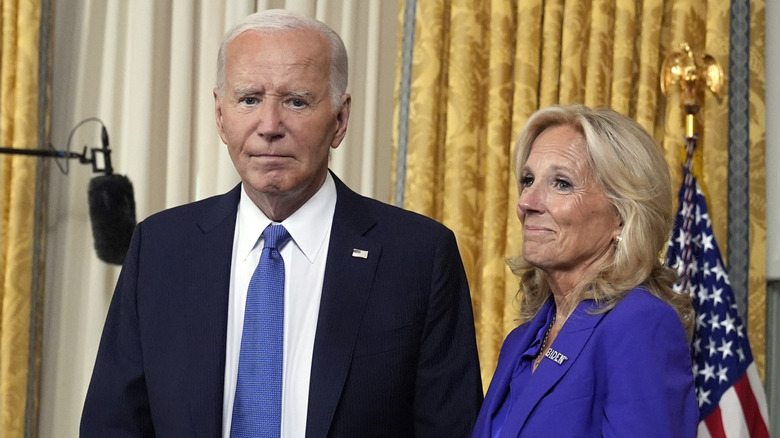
[257,409]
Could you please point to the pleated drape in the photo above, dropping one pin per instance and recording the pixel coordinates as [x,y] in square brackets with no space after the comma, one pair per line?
[19,313]
[473,71]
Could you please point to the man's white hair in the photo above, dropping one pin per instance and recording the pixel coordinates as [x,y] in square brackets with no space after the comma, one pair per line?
[280,20]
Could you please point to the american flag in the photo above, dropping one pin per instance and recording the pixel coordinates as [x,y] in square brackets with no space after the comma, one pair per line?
[729,390]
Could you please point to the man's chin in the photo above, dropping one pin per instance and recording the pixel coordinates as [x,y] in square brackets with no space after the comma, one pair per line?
[268,188]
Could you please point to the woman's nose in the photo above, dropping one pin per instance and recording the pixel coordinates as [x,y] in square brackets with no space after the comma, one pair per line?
[530,200]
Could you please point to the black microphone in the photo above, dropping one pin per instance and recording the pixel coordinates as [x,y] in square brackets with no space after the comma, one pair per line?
[111,210]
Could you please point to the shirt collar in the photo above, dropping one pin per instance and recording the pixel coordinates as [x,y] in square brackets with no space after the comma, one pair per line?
[308,226]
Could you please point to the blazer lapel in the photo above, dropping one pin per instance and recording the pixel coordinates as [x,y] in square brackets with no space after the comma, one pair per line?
[513,346]
[211,254]
[347,283]
[569,342]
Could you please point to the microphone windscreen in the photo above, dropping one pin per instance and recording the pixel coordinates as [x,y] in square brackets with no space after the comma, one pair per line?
[112,213]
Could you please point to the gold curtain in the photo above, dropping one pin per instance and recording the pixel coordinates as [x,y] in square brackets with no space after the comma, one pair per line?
[480,68]
[18,129]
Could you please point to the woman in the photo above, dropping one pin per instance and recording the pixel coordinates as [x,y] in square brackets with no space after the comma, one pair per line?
[602,350]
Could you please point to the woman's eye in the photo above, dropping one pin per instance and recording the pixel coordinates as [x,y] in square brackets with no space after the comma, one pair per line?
[526,181]
[562,184]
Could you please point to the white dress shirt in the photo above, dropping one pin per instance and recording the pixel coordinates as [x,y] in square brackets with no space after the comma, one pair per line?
[304,269]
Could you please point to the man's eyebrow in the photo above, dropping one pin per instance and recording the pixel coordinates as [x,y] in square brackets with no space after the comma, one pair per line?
[300,93]
[244,91]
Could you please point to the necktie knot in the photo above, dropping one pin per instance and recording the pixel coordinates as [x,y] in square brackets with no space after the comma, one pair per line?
[275,236]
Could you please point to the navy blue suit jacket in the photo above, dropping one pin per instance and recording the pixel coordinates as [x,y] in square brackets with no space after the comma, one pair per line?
[394,352]
[627,373]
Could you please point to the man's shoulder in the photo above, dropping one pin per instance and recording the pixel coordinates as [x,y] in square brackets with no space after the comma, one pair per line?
[384,213]
[392,213]
[212,207]
[405,228]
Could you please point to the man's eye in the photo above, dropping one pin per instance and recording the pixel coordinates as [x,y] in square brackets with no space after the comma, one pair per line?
[297,103]
[250,100]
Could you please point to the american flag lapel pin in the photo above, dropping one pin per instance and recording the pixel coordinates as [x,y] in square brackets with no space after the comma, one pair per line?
[360,253]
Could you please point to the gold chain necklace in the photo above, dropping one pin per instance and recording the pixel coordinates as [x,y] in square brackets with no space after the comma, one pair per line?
[541,352]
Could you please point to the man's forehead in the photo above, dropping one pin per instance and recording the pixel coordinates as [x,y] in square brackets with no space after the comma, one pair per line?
[295,40]
[279,53]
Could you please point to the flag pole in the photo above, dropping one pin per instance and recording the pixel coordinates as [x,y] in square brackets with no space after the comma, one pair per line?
[693,74]
[689,126]
[728,388]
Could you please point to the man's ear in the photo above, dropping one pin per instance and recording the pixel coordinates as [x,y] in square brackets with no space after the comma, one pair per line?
[342,120]
[218,115]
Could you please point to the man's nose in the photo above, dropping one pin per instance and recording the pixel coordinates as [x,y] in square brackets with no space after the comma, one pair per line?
[270,123]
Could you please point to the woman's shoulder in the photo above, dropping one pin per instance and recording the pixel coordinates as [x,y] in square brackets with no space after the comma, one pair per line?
[640,307]
[641,299]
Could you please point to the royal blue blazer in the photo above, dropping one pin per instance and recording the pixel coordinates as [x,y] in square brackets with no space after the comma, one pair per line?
[627,373]
[394,351]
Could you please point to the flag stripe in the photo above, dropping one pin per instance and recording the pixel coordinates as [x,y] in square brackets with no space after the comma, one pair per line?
[755,382]
[702,431]
[749,406]
[714,424]
[732,415]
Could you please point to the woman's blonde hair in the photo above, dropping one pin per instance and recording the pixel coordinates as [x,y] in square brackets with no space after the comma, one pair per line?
[631,171]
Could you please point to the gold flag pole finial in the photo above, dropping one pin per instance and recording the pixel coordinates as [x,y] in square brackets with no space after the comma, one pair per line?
[693,74]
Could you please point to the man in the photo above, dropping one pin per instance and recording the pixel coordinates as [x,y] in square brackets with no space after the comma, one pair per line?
[378,334]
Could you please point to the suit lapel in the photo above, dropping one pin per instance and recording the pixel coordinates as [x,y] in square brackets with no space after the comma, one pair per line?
[569,342]
[347,283]
[211,254]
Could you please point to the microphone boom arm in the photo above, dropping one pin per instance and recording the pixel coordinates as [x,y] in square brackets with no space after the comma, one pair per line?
[52,153]
[67,154]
